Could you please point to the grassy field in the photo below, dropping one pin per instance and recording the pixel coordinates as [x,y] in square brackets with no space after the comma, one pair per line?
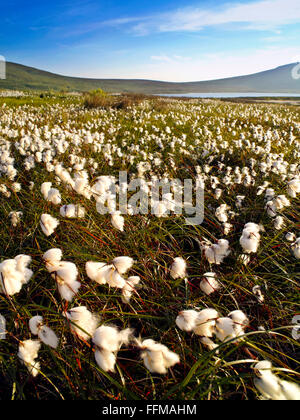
[233,147]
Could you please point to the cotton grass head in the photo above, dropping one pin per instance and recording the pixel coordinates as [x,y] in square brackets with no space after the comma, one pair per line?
[82,322]
[28,353]
[209,284]
[186,320]
[272,387]
[45,334]
[157,357]
[178,268]
[48,224]
[108,341]
[14,274]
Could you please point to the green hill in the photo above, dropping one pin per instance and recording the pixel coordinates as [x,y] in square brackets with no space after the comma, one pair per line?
[278,80]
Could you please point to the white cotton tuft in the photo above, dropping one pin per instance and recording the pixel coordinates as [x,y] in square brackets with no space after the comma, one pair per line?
[123,264]
[291,237]
[118,221]
[106,360]
[64,273]
[294,187]
[35,323]
[108,341]
[110,338]
[225,329]
[82,322]
[296,248]
[178,268]
[209,284]
[272,387]
[54,196]
[258,294]
[48,224]
[250,238]
[22,265]
[45,188]
[14,274]
[114,279]
[244,259]
[216,253]
[232,326]
[45,334]
[157,357]
[98,271]
[279,223]
[72,211]
[15,217]
[240,321]
[129,288]
[186,320]
[205,323]
[52,257]
[28,352]
[221,213]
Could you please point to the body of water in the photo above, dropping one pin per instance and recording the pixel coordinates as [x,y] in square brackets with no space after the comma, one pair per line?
[232,95]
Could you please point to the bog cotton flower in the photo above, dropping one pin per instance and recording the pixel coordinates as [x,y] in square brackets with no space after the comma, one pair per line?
[72,211]
[129,288]
[14,274]
[258,294]
[186,320]
[250,238]
[15,217]
[209,284]
[244,259]
[279,223]
[294,187]
[291,237]
[52,257]
[272,387]
[123,264]
[296,248]
[48,224]
[157,357]
[45,334]
[206,322]
[104,273]
[28,353]
[118,221]
[64,273]
[108,340]
[50,194]
[82,322]
[216,253]
[98,271]
[225,329]
[178,268]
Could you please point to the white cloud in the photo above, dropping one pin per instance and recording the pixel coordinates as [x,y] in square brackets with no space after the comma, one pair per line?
[258,15]
[170,59]
[161,58]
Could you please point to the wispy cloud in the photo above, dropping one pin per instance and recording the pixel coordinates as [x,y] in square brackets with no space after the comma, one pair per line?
[170,59]
[259,15]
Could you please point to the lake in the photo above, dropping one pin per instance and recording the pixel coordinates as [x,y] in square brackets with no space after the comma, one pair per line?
[232,95]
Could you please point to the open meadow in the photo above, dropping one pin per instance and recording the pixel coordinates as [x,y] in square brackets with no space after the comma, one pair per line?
[207,311]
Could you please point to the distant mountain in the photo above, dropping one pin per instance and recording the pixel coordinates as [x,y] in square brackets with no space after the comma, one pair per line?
[277,80]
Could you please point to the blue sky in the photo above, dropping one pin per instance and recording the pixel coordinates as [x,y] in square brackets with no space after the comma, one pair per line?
[161,40]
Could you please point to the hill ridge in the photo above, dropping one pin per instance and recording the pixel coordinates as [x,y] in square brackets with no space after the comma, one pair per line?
[278,80]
